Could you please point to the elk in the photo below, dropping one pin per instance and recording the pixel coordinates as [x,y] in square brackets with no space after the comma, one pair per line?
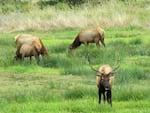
[105,79]
[27,50]
[88,36]
[32,40]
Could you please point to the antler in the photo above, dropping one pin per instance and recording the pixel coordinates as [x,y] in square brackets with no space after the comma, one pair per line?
[88,58]
[116,67]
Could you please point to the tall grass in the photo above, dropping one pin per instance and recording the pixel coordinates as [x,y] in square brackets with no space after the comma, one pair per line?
[108,14]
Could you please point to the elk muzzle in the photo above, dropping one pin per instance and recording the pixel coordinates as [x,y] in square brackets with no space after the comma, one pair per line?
[105,83]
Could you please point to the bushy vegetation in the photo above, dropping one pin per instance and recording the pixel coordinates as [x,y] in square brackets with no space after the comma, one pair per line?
[28,5]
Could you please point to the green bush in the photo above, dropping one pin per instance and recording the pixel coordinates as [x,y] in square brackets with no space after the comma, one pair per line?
[62,6]
[7,6]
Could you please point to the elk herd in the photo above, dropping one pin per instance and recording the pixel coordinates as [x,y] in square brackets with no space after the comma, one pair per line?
[29,45]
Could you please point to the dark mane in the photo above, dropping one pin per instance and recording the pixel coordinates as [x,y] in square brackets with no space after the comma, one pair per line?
[76,43]
[43,49]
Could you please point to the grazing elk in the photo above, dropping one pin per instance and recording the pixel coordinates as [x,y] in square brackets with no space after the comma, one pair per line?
[105,79]
[88,36]
[27,50]
[30,40]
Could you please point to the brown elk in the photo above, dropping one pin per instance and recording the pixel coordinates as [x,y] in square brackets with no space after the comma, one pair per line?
[105,79]
[30,40]
[27,50]
[88,36]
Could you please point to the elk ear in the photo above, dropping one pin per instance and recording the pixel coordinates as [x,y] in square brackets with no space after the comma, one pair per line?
[112,74]
[98,74]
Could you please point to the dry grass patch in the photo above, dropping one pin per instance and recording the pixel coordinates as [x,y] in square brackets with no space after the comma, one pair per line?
[109,14]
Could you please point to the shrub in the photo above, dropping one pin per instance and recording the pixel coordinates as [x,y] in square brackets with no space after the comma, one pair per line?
[7,6]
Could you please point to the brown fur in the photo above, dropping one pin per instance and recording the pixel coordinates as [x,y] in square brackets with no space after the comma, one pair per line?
[31,40]
[105,80]
[105,69]
[88,36]
[27,50]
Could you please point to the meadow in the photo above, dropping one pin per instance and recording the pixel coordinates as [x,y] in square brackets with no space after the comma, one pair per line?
[64,82]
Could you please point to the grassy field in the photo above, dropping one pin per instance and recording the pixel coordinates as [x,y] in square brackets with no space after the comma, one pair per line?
[64,83]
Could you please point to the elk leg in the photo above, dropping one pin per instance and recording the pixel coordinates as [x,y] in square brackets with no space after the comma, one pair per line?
[37,58]
[18,55]
[104,97]
[102,41]
[109,99]
[22,57]
[97,44]
[36,55]
[99,94]
[30,59]
[86,43]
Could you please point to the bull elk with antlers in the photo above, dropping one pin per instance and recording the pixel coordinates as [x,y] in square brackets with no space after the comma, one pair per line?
[105,79]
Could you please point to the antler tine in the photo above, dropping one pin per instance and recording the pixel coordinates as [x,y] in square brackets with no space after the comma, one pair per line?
[117,66]
[88,58]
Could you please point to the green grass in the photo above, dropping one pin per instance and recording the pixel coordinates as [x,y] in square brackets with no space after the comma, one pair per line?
[80,106]
[65,83]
